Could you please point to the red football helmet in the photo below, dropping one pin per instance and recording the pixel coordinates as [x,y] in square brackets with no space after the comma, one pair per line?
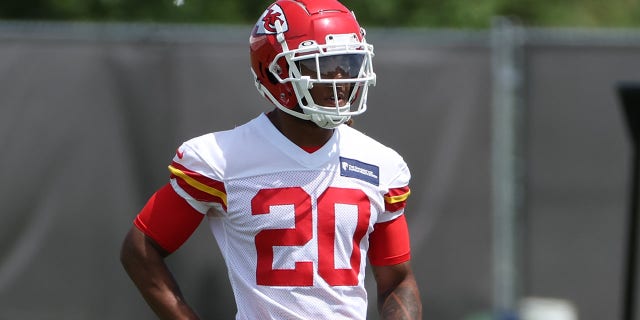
[306,49]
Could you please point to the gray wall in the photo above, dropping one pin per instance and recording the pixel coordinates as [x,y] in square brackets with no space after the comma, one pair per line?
[92,114]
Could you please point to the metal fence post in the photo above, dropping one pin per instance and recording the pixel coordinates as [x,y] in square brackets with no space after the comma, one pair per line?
[507,163]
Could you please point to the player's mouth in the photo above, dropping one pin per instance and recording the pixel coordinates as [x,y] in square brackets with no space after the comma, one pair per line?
[330,100]
[330,103]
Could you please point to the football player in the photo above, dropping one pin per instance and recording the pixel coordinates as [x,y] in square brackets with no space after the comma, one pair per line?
[297,200]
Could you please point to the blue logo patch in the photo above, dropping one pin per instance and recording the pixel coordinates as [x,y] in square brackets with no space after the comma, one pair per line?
[359,170]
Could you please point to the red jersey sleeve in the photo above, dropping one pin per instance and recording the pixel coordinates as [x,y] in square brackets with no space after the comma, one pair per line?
[168,219]
[389,243]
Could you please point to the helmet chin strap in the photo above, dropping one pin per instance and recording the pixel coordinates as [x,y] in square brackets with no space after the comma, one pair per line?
[321,120]
[327,121]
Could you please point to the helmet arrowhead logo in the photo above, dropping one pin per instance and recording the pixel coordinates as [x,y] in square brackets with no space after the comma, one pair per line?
[270,19]
[267,22]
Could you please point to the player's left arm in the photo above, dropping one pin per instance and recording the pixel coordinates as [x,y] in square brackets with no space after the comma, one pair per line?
[398,294]
[389,253]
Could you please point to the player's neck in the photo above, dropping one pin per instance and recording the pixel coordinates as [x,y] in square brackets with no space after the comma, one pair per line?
[303,133]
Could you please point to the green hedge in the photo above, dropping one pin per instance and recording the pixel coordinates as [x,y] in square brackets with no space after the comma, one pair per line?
[396,13]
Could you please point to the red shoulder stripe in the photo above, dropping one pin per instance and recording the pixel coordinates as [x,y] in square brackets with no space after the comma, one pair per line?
[198,186]
[396,198]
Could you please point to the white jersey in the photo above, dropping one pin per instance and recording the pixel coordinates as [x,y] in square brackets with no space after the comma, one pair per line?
[292,226]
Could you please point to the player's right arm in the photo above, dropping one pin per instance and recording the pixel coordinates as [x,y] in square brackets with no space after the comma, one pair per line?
[144,262]
[161,227]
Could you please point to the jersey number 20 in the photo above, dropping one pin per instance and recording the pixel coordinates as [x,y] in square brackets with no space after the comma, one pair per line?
[302,274]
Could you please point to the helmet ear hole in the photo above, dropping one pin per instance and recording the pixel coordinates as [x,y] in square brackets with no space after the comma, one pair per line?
[266,73]
[270,76]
